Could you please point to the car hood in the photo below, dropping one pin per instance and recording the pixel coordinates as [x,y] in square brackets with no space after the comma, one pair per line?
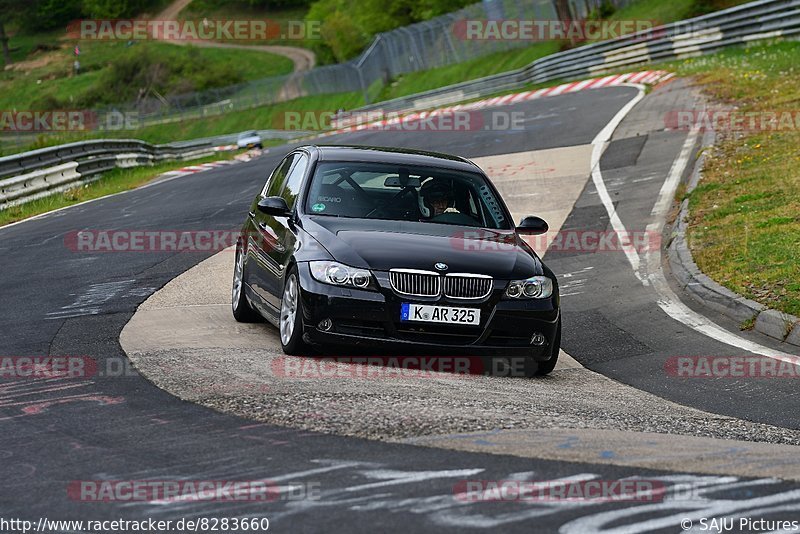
[383,245]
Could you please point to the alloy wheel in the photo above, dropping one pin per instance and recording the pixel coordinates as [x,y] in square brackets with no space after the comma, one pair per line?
[288,309]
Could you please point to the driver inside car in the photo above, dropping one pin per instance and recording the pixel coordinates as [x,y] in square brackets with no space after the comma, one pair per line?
[435,198]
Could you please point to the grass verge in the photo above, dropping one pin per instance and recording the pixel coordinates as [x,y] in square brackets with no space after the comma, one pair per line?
[111,182]
[415,82]
[244,10]
[259,118]
[264,117]
[44,79]
[744,227]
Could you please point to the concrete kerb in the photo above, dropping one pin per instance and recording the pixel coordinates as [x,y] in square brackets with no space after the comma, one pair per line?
[775,324]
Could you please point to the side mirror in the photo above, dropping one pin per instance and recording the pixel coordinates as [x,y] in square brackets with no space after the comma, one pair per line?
[532,226]
[274,206]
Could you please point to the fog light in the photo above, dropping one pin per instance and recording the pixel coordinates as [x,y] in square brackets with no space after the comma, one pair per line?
[325,325]
[538,339]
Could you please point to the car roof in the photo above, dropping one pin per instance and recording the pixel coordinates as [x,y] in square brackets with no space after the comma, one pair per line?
[401,156]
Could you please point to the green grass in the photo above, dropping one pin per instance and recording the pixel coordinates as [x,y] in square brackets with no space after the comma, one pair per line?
[260,118]
[29,88]
[111,182]
[226,9]
[415,82]
[744,228]
[241,10]
[265,117]
[22,45]
[662,12]
[655,10]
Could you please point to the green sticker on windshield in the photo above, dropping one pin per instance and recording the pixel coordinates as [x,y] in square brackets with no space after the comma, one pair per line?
[318,207]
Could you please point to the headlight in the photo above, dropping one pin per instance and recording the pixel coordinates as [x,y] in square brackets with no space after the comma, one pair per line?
[535,287]
[338,274]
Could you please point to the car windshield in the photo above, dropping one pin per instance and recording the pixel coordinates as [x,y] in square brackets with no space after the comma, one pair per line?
[407,193]
[245,135]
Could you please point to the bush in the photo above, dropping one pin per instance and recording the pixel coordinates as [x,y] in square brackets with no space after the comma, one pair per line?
[348,27]
[142,73]
[43,15]
[604,11]
[39,15]
[47,102]
[115,9]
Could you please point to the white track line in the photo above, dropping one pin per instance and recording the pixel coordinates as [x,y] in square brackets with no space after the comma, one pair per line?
[158,180]
[598,146]
[668,300]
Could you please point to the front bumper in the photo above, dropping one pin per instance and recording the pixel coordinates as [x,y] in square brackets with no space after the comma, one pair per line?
[372,319]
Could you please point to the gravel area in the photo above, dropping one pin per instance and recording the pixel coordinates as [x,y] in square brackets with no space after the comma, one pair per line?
[245,382]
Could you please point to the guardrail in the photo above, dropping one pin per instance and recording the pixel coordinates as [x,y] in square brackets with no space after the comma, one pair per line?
[763,19]
[38,173]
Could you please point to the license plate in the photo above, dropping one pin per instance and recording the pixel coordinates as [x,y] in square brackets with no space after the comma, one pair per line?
[439,314]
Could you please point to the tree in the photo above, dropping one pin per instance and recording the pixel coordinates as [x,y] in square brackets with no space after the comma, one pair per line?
[565,16]
[39,15]
[115,9]
[9,11]
[4,44]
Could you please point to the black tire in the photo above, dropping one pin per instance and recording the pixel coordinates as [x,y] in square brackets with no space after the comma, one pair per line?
[534,368]
[241,309]
[290,320]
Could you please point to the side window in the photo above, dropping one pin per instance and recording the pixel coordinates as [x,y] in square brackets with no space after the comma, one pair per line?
[275,182]
[295,181]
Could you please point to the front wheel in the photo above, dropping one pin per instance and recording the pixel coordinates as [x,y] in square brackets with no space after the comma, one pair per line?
[291,319]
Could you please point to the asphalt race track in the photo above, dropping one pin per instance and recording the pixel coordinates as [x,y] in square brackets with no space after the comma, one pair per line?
[57,302]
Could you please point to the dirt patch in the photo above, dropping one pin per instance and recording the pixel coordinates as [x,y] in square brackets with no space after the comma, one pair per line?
[41,59]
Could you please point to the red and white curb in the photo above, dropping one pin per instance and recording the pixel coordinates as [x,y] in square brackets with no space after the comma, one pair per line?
[648,77]
[191,169]
[225,148]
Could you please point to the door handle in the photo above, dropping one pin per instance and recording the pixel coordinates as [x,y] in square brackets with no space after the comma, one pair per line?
[252,214]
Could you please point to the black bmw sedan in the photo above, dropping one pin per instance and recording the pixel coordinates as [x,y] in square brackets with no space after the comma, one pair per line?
[379,247]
